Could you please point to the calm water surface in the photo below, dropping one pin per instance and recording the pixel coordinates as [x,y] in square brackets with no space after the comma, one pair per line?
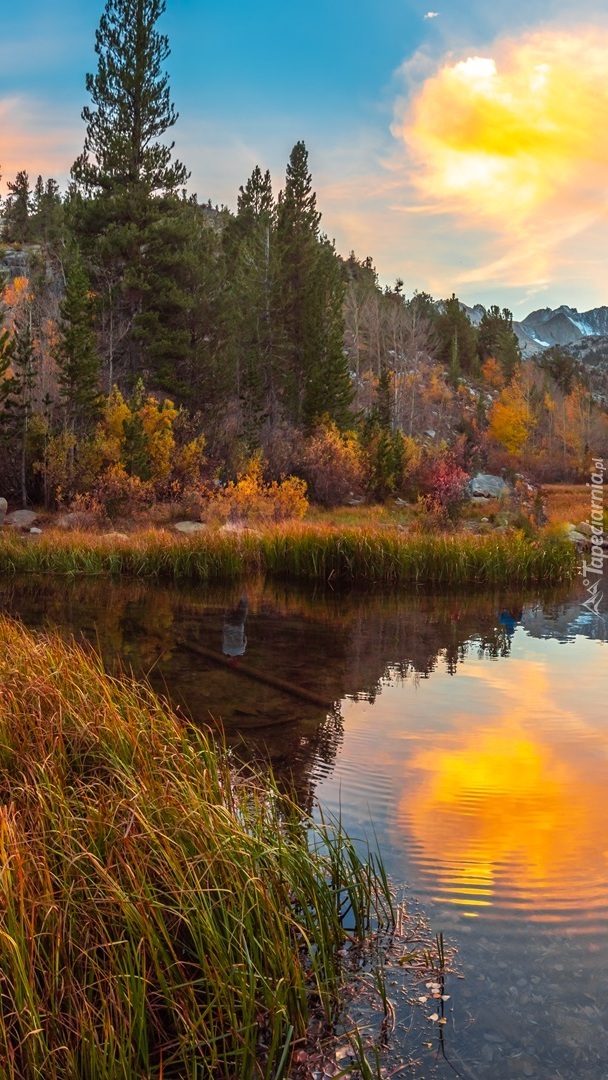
[472,731]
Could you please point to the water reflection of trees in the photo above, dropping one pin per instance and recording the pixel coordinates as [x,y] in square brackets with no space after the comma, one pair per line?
[332,644]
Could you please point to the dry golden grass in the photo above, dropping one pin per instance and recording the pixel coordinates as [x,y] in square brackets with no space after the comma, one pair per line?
[567,503]
[159,916]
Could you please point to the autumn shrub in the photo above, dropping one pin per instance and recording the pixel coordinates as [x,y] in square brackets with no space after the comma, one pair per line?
[444,484]
[252,499]
[332,465]
[115,494]
[282,448]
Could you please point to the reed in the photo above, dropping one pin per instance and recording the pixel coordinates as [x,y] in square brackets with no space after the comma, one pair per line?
[368,556]
[159,915]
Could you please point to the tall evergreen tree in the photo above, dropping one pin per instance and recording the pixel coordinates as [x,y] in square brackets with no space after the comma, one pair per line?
[457,338]
[17,211]
[328,389]
[131,220]
[250,242]
[497,338]
[47,217]
[132,106]
[310,296]
[20,405]
[76,353]
[6,376]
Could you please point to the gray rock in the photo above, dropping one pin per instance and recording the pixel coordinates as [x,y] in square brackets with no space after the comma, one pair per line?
[491,487]
[3,509]
[190,526]
[21,519]
[35,532]
[585,527]
[577,537]
[81,519]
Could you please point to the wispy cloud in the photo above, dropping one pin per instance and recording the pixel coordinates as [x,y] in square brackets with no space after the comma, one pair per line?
[32,139]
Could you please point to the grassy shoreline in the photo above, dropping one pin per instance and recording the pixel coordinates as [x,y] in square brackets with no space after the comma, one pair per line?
[159,915]
[364,556]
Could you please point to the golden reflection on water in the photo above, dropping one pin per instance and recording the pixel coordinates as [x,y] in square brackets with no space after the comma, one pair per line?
[508,811]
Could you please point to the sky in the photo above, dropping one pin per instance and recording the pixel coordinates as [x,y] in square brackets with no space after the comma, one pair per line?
[462,146]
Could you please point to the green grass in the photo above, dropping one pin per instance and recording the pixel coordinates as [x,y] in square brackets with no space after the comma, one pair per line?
[160,917]
[368,556]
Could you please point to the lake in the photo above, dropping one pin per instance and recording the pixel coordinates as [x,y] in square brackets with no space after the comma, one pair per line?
[472,731]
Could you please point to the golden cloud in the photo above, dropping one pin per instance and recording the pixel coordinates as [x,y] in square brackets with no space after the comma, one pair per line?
[512,141]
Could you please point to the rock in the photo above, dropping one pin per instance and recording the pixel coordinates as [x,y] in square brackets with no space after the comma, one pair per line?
[3,509]
[114,535]
[577,537]
[35,532]
[78,519]
[21,519]
[190,526]
[584,527]
[491,487]
[479,500]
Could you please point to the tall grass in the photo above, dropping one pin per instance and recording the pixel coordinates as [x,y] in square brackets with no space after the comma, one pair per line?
[159,916]
[364,556]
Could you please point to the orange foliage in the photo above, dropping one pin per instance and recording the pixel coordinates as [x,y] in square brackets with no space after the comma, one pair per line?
[511,419]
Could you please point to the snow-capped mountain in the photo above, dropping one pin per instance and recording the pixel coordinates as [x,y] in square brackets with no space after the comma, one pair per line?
[559,326]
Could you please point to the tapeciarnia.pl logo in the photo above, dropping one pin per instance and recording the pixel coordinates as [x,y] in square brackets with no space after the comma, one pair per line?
[593,570]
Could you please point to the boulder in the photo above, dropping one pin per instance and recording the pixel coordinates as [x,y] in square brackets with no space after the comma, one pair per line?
[190,527]
[488,486]
[21,519]
[35,532]
[3,509]
[584,527]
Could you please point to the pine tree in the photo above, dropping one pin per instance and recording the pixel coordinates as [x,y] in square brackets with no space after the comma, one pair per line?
[20,405]
[76,354]
[497,339]
[17,211]
[310,297]
[47,218]
[128,215]
[132,106]
[250,247]
[6,376]
[328,389]
[457,338]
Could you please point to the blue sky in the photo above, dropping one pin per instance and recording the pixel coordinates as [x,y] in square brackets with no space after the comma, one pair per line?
[382,95]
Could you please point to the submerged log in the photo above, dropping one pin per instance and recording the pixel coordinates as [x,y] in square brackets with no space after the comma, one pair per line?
[260,676]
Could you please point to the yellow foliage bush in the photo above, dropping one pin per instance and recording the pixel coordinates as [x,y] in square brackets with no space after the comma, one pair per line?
[511,419]
[251,499]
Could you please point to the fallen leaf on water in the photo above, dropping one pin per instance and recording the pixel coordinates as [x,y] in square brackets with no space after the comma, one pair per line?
[443,1020]
[422,999]
[445,997]
[434,1017]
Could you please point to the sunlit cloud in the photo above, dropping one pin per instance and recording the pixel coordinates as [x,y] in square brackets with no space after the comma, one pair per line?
[31,139]
[510,141]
